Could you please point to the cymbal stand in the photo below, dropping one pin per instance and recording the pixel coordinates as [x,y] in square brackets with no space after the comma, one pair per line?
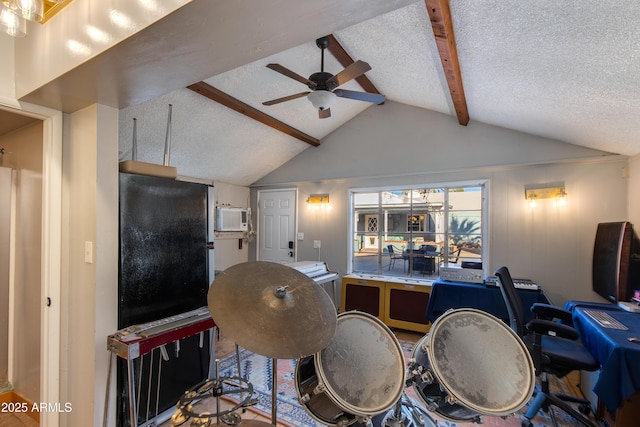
[274,388]
[216,394]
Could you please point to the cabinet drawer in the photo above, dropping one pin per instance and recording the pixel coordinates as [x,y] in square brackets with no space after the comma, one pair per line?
[406,306]
[363,295]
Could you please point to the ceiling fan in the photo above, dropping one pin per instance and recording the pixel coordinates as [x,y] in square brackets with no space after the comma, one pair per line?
[324,86]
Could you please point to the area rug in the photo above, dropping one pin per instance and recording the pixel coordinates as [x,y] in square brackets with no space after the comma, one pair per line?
[258,371]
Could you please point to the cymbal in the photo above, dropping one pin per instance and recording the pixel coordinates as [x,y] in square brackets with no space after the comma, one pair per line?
[272,310]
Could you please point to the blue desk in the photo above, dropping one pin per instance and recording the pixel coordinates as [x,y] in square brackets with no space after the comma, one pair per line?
[619,359]
[446,295]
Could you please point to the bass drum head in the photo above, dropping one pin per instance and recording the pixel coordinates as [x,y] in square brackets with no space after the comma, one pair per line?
[432,394]
[481,362]
[362,368]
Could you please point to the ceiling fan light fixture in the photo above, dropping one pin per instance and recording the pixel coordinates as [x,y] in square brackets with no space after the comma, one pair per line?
[322,99]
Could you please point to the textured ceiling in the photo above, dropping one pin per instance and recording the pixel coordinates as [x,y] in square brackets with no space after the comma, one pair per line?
[563,70]
[211,139]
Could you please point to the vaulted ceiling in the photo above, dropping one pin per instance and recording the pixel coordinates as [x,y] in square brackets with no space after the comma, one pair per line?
[562,70]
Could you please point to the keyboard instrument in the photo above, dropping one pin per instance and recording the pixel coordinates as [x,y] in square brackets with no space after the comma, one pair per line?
[319,272]
[316,270]
[133,341]
[605,320]
[527,284]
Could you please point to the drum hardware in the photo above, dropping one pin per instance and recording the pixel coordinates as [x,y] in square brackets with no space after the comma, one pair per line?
[418,374]
[469,365]
[281,291]
[201,422]
[179,417]
[213,388]
[319,389]
[407,414]
[231,419]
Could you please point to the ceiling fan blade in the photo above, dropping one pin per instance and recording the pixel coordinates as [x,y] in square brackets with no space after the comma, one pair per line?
[324,114]
[285,98]
[374,98]
[295,76]
[352,71]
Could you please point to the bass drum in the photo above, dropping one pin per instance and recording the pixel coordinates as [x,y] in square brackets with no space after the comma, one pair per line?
[360,374]
[471,363]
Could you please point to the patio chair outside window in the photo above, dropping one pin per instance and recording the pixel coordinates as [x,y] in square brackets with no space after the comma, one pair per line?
[393,256]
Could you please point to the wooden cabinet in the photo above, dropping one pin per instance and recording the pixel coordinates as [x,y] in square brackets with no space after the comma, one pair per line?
[406,306]
[399,303]
[363,295]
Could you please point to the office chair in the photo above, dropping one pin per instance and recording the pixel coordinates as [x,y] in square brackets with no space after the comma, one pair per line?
[556,355]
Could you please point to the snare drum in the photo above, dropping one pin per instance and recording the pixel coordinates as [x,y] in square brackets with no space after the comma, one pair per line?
[471,363]
[361,373]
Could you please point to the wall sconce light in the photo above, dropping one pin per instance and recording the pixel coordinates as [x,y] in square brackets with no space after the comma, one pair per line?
[533,193]
[318,200]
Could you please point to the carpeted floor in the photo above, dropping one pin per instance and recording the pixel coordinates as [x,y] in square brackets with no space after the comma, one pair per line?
[290,412]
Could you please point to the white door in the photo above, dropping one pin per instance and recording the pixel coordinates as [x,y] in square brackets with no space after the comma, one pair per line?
[277,225]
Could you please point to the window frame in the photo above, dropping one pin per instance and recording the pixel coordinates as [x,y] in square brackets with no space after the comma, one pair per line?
[484,184]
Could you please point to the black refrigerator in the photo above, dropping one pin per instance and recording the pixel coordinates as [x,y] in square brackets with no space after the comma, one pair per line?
[166,254]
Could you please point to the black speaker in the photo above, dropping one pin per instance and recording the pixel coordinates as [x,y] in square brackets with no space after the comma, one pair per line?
[615,261]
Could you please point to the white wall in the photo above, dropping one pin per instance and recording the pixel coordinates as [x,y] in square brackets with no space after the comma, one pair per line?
[89,290]
[403,145]
[395,139]
[7,72]
[634,189]
[227,249]
[46,52]
[554,245]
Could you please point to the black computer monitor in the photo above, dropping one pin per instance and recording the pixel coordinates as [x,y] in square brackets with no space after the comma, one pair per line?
[616,259]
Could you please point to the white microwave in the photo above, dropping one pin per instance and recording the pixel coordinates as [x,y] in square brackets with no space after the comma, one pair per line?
[231,219]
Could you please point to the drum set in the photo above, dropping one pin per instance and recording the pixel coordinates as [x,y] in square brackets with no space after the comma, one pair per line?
[350,369]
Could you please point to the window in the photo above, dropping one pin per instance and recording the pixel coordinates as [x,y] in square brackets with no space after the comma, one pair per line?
[410,232]
[416,223]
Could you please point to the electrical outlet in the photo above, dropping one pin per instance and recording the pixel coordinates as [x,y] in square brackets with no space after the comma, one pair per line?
[317,244]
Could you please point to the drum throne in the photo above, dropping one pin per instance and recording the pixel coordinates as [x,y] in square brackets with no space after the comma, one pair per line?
[556,355]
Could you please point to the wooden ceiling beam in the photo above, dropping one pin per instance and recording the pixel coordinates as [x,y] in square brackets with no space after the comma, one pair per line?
[442,25]
[345,60]
[227,100]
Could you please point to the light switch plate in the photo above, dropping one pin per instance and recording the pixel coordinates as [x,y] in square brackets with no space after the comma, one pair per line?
[88,252]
